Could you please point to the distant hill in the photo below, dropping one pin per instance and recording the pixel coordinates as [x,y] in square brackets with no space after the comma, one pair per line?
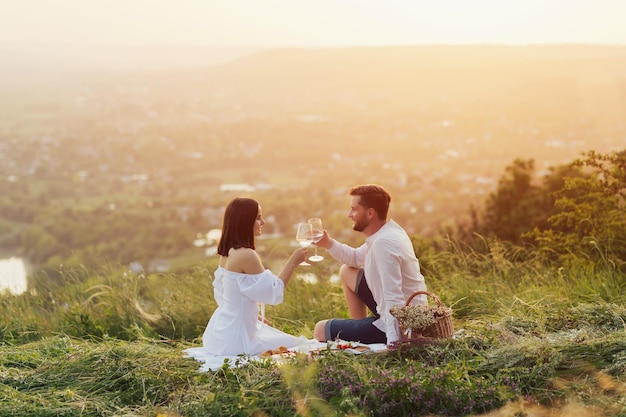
[553,84]
[589,77]
[539,96]
[36,62]
[412,74]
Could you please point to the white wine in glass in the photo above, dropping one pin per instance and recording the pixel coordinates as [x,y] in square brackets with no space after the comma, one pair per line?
[318,233]
[304,236]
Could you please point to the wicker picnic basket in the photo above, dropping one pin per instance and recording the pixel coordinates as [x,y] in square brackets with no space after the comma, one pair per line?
[440,329]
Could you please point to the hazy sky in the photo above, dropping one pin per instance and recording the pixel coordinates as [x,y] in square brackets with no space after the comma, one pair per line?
[311,23]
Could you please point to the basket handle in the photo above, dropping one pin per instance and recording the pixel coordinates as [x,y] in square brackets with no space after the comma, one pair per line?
[429,294]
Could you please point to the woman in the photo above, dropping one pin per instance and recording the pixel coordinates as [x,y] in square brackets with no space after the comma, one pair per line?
[241,283]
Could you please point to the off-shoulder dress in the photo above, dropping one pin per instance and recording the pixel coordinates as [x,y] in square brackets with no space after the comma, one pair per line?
[234,327]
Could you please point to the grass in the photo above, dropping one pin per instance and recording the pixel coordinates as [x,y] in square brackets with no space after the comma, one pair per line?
[531,341]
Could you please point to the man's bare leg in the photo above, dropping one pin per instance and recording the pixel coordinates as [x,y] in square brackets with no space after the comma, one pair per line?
[356,306]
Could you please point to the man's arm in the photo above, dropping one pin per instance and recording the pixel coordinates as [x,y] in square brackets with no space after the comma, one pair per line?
[348,255]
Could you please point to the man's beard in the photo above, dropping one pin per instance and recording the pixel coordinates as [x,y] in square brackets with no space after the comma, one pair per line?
[359,226]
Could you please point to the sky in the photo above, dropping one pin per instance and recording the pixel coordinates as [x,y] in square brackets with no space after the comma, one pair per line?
[310,23]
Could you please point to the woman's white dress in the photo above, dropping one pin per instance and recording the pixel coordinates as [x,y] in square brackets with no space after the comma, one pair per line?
[234,328]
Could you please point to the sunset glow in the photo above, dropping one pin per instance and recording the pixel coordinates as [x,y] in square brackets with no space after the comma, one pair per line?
[320,23]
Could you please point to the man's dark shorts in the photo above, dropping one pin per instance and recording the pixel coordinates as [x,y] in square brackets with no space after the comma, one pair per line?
[357,330]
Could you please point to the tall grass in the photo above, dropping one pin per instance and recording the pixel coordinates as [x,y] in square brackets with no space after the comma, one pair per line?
[111,301]
[530,339]
[489,282]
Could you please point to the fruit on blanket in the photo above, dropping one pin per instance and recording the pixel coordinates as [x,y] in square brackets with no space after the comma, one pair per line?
[279,351]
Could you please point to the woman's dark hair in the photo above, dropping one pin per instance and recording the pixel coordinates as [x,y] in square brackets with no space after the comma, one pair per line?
[373,196]
[238,226]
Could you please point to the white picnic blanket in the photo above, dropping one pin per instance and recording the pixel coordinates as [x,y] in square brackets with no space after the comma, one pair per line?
[213,363]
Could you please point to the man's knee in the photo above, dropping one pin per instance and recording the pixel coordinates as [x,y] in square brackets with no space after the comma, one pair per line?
[348,276]
[319,333]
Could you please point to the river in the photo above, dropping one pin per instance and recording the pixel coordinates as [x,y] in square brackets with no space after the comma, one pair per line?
[13,275]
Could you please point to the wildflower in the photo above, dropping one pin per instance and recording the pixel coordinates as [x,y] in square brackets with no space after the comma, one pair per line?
[420,316]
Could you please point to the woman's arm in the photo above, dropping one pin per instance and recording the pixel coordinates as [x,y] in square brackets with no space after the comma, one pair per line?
[296,257]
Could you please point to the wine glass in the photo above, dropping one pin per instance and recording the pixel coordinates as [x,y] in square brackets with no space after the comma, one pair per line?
[304,236]
[318,233]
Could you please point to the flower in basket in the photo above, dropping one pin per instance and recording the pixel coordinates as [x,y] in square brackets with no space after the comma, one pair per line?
[414,317]
[418,316]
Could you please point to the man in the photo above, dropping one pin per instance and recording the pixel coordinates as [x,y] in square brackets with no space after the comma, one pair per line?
[380,274]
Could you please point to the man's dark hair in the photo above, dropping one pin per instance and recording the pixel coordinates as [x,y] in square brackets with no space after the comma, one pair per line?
[373,196]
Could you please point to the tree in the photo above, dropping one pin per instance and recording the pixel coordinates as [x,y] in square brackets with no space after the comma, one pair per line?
[520,204]
[517,205]
[591,216]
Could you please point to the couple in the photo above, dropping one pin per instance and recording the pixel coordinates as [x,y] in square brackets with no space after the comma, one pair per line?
[378,275]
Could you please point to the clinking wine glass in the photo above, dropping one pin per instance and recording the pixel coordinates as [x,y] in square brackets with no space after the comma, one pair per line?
[304,236]
[318,233]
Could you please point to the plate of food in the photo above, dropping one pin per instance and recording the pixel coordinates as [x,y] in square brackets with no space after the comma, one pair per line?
[281,351]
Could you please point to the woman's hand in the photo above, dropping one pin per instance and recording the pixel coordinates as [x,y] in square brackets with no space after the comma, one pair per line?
[264,320]
[299,255]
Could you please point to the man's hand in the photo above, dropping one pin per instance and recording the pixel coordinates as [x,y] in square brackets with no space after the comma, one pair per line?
[325,242]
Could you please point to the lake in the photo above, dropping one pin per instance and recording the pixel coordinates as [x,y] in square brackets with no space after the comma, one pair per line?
[13,275]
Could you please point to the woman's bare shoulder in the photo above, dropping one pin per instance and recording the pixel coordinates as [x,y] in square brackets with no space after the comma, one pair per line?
[244,260]
[241,253]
